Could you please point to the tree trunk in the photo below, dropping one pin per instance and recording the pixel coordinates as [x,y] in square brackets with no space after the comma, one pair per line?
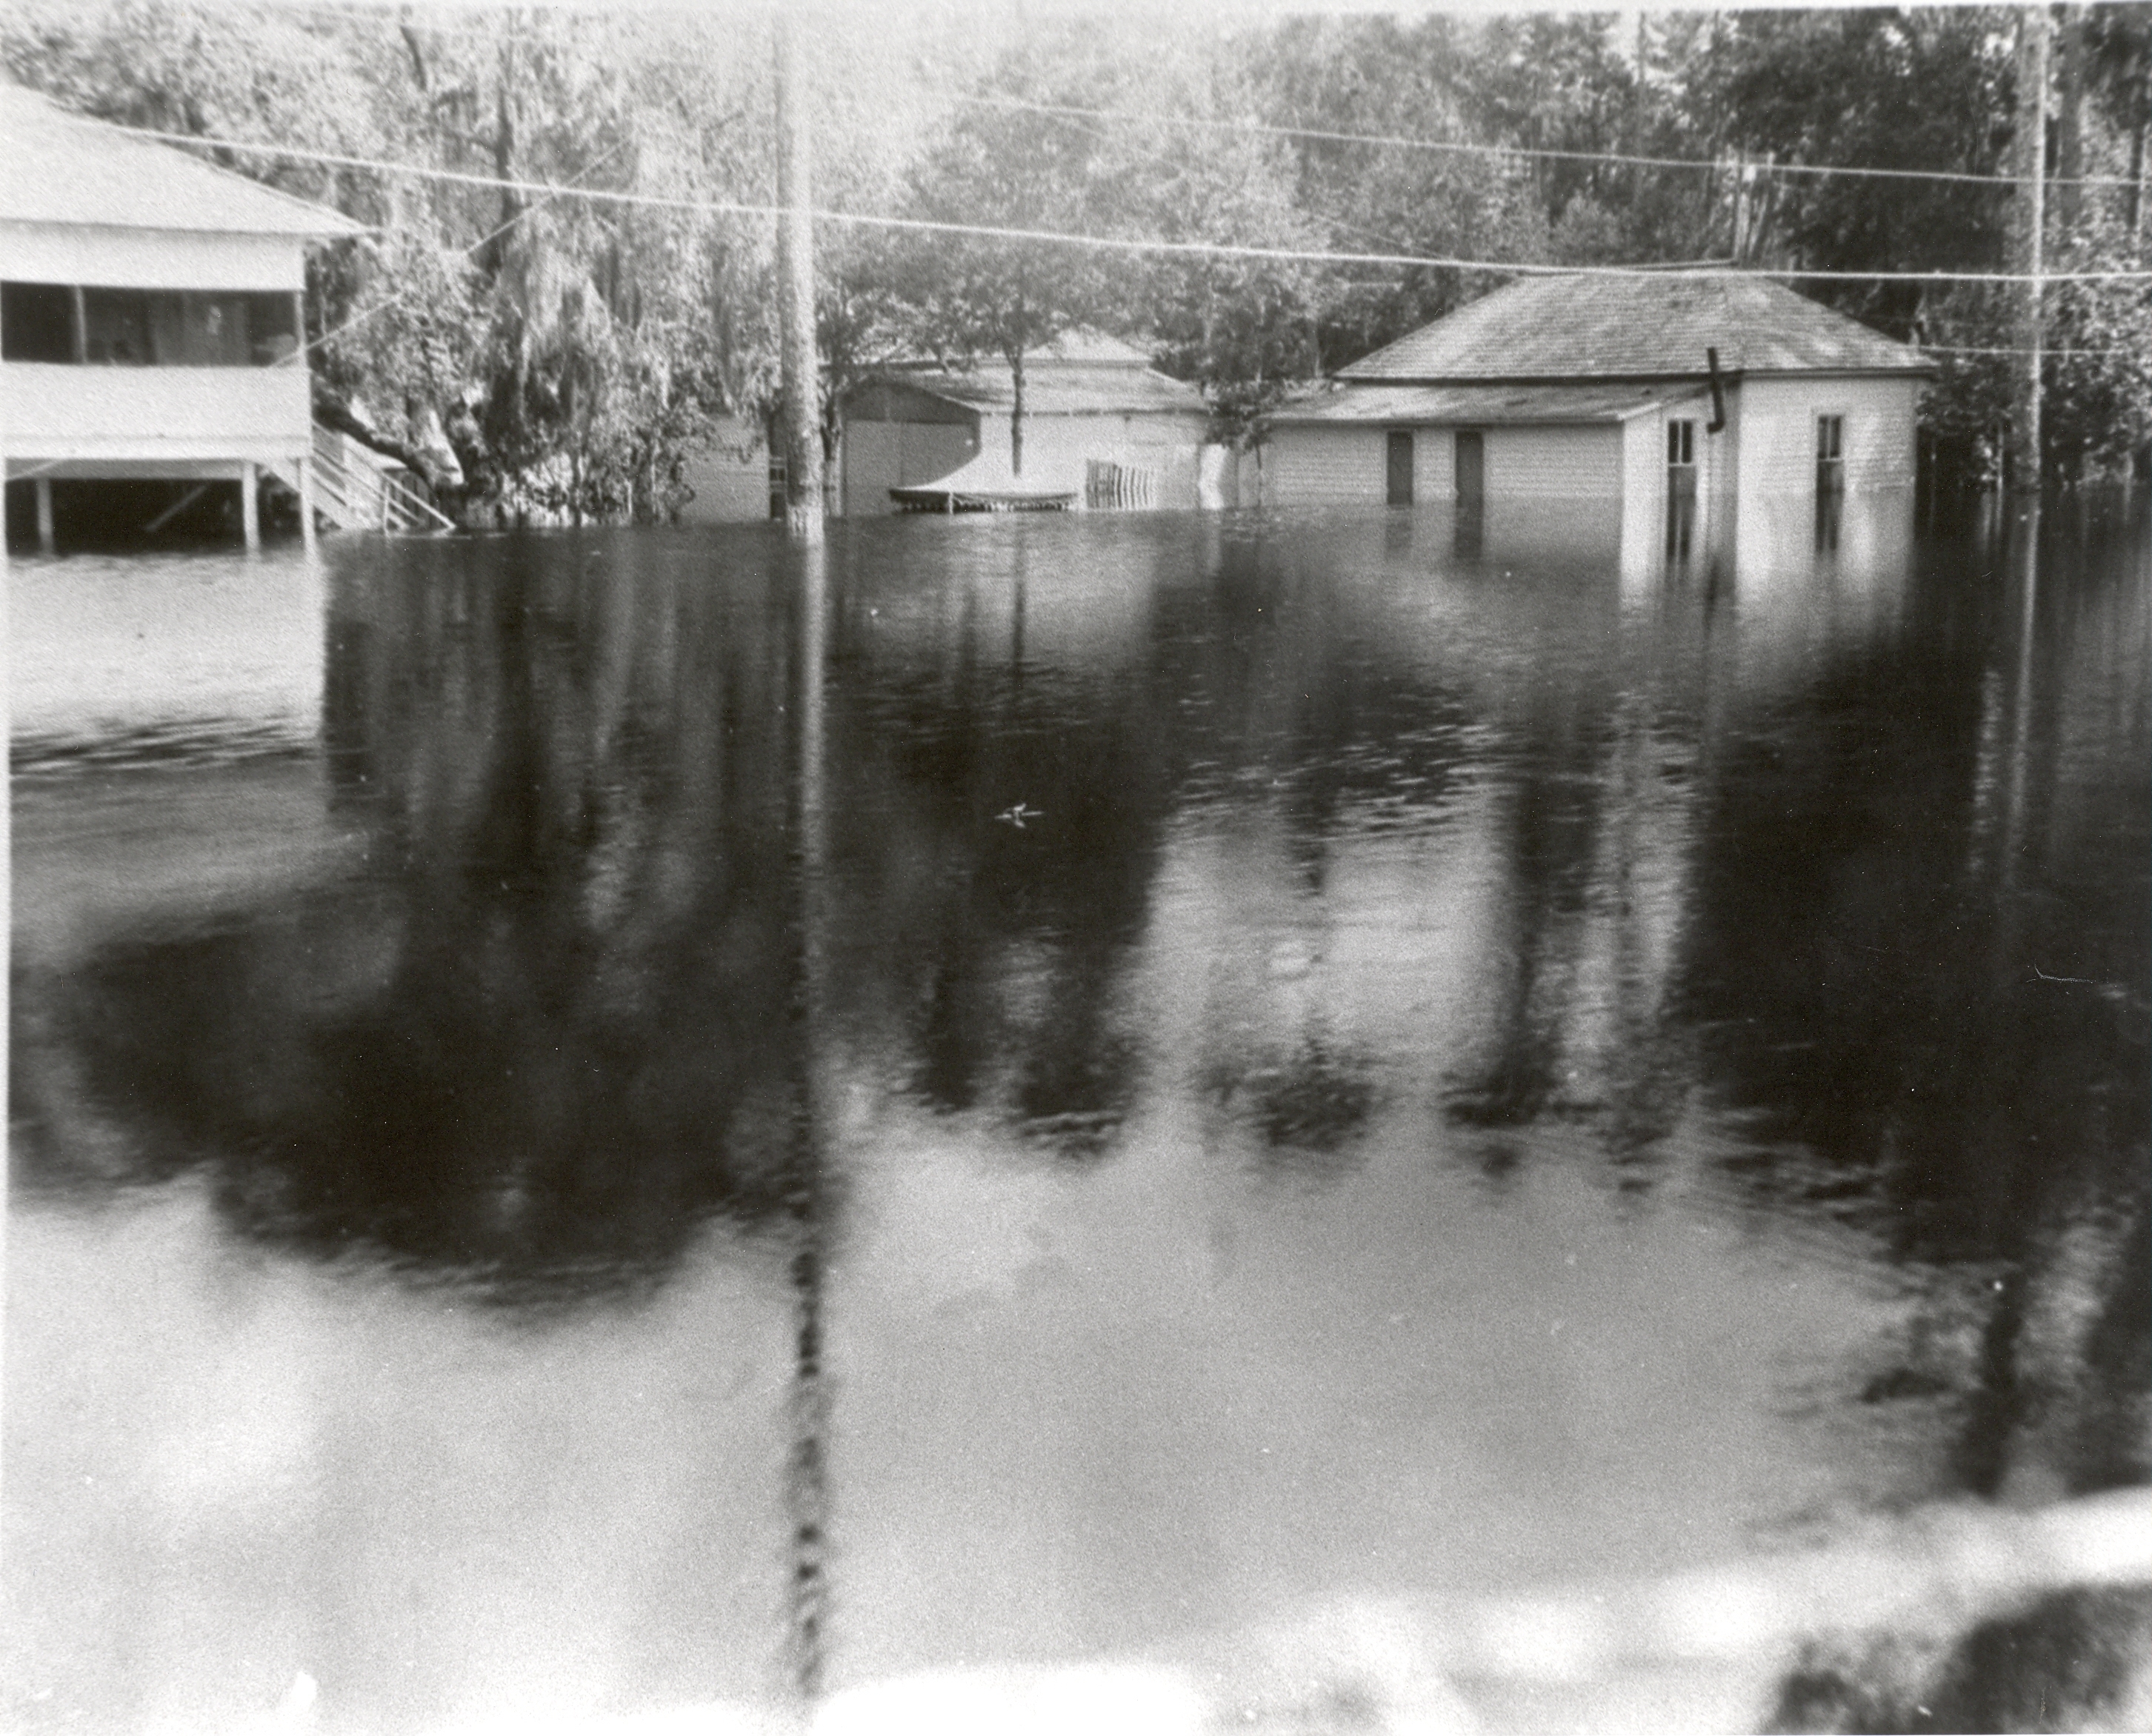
[332,412]
[2030,215]
[1016,412]
[2069,119]
[799,366]
[504,155]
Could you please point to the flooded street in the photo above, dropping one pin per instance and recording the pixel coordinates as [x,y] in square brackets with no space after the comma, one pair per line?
[610,1120]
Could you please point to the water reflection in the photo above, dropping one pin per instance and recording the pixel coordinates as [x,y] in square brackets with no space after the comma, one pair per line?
[1159,995]
[546,1034]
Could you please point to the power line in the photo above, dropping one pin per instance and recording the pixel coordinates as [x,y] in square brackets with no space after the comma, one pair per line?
[491,235]
[1118,244]
[1960,349]
[1462,148]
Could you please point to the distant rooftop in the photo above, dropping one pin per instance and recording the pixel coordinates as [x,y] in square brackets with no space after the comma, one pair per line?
[66,168]
[1079,373]
[1587,327]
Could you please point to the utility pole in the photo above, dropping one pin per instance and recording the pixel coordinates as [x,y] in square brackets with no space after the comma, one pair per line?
[800,417]
[2033,31]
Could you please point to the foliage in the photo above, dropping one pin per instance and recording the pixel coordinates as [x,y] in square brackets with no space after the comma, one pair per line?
[562,355]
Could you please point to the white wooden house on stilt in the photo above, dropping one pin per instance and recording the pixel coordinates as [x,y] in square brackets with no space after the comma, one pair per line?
[151,321]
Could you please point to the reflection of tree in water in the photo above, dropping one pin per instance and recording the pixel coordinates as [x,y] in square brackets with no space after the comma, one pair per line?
[550,1037]
[1916,968]
[1308,1105]
[1002,826]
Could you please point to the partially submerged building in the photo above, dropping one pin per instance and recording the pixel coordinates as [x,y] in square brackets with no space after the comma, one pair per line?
[151,316]
[1656,413]
[1100,426]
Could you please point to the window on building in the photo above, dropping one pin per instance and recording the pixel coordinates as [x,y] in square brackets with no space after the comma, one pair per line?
[1830,454]
[37,322]
[115,327]
[1681,446]
[150,328]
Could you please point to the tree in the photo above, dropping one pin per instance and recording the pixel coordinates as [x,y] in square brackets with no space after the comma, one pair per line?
[1005,168]
[1379,76]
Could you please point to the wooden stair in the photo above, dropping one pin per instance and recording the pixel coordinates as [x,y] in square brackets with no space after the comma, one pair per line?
[353,493]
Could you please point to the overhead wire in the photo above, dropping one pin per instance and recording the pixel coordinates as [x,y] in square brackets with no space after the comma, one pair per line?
[492,234]
[1122,244]
[1465,147]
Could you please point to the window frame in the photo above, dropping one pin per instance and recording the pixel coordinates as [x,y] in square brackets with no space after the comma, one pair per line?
[172,328]
[1829,465]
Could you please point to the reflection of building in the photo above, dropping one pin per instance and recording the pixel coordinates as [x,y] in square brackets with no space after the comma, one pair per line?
[151,321]
[1099,423]
[1684,402]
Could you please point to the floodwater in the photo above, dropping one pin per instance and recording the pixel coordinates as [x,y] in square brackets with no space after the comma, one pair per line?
[607,1120]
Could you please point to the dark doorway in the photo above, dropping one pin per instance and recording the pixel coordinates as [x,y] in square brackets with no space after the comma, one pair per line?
[1471,470]
[1401,467]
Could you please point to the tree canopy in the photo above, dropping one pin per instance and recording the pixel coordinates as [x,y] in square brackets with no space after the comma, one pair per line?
[563,353]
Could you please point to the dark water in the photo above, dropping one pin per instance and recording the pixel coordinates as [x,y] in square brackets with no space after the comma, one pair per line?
[612,1119]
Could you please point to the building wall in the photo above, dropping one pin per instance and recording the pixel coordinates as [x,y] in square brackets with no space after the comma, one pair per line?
[1778,433]
[1308,465]
[1644,489]
[1056,449]
[1775,522]
[730,477]
[149,259]
[58,411]
[1554,464]
[1315,466]
[879,456]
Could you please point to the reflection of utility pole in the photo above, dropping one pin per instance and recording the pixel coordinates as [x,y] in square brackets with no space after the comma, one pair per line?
[2032,219]
[807,1474]
[800,367]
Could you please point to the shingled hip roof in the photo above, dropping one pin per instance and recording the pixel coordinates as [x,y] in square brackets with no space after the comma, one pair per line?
[63,168]
[1572,327]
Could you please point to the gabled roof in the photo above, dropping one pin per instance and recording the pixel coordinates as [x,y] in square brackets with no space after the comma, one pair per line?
[68,169]
[1587,327]
[1080,373]
[1119,392]
[1083,347]
[1510,405]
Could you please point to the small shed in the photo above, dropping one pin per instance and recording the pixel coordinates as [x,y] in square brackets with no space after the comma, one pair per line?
[1100,425]
[151,316]
[1664,409]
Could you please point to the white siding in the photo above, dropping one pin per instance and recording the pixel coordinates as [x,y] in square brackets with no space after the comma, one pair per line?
[1058,448]
[1552,463]
[1304,466]
[1778,433]
[54,411]
[730,477]
[1313,466]
[150,258]
[1643,502]
[1435,466]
